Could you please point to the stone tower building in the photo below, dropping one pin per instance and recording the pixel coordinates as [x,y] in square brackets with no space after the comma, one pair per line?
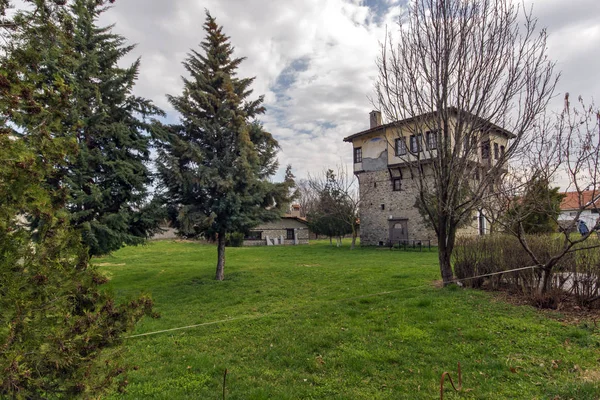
[388,191]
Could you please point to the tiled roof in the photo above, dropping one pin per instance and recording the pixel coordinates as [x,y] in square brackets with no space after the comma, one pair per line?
[290,216]
[576,200]
[350,138]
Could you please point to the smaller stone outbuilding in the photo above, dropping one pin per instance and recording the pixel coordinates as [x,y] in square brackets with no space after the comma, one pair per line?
[289,230]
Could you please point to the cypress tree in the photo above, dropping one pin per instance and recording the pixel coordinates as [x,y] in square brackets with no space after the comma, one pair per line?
[216,163]
[109,177]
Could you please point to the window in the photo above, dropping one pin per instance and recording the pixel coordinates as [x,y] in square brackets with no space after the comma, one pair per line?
[358,155]
[502,151]
[254,235]
[416,142]
[431,140]
[290,234]
[383,207]
[401,146]
[496,151]
[485,150]
[396,184]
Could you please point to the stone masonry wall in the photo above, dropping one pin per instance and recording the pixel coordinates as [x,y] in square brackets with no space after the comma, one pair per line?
[376,190]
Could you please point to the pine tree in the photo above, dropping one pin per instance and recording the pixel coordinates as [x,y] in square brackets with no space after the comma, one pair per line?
[55,321]
[215,165]
[537,211]
[109,177]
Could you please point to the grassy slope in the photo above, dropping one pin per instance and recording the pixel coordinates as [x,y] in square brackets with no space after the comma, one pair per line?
[327,335]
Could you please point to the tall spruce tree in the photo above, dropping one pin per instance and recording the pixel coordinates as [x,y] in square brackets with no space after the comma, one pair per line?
[216,163]
[55,321]
[109,178]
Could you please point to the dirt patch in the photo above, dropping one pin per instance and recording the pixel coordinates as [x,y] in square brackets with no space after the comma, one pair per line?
[590,375]
[438,284]
[567,311]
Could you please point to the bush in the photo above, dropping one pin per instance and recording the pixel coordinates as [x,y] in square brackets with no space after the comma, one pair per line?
[576,274]
[234,239]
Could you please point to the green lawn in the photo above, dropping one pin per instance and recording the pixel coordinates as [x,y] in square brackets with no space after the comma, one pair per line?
[319,322]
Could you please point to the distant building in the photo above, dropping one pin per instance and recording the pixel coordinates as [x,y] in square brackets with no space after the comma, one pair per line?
[588,201]
[289,230]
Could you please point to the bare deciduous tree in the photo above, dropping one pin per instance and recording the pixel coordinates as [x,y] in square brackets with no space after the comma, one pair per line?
[307,197]
[337,198]
[567,151]
[458,70]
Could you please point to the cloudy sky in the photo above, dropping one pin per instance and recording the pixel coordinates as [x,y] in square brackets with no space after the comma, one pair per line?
[314,60]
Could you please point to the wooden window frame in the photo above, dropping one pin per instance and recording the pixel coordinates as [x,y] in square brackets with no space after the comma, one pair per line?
[416,143]
[485,150]
[289,234]
[431,144]
[403,147]
[357,155]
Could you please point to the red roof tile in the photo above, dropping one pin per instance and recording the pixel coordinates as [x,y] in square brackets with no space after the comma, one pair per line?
[576,200]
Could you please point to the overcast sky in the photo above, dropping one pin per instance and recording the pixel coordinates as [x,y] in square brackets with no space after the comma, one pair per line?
[314,60]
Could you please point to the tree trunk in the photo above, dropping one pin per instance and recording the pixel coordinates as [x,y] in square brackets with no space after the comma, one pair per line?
[445,248]
[331,240]
[354,235]
[220,257]
[546,280]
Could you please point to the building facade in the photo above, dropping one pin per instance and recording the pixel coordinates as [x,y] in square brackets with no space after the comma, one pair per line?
[585,203]
[388,189]
[288,230]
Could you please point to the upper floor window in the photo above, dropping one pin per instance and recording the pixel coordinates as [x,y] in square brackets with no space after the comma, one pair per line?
[416,143]
[396,184]
[401,146]
[357,155]
[502,151]
[496,151]
[431,137]
[485,149]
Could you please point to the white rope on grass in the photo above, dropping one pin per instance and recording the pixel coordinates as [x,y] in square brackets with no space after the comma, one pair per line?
[496,273]
[198,325]
[250,317]
[272,313]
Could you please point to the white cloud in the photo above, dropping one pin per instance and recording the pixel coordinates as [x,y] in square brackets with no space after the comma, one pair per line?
[326,50]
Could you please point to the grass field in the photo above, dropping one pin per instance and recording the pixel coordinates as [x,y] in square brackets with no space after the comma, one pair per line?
[319,322]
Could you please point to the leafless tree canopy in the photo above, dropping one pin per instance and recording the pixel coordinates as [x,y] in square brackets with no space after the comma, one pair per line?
[334,193]
[460,69]
[566,152]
